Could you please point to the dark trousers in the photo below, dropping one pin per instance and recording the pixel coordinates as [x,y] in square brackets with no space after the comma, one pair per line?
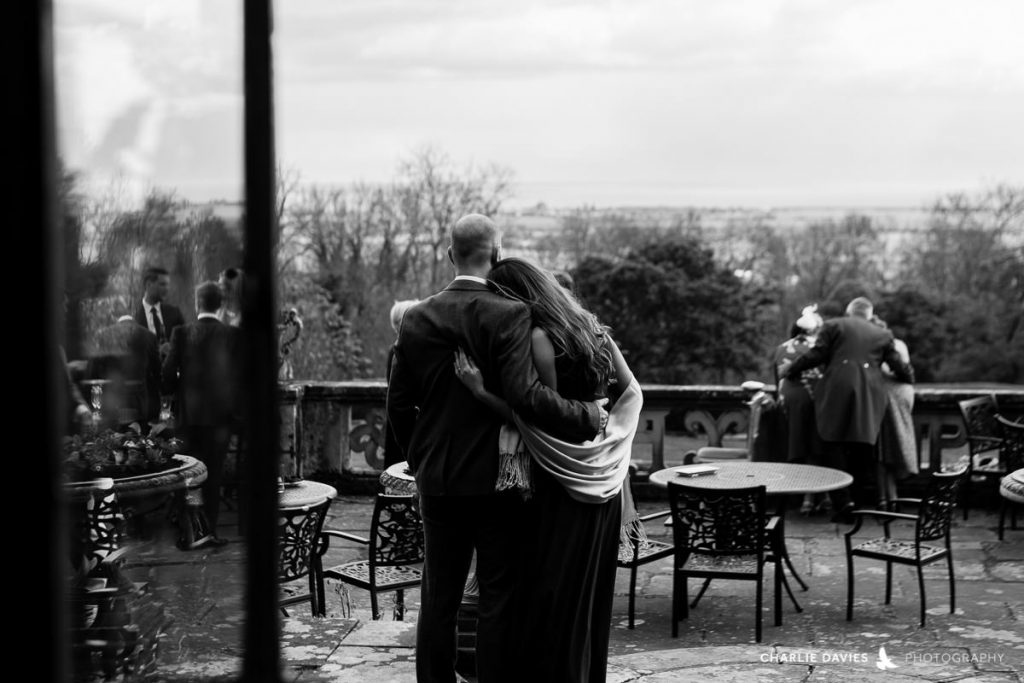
[857,460]
[455,526]
[209,444]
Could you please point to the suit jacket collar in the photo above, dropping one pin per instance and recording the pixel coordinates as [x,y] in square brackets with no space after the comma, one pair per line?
[463,284]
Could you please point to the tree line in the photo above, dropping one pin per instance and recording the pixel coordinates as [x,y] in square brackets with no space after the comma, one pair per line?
[688,303]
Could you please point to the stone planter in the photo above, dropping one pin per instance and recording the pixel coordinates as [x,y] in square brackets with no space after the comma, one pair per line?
[188,474]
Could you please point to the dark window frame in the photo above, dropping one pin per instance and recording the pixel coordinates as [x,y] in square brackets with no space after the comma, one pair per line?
[34,215]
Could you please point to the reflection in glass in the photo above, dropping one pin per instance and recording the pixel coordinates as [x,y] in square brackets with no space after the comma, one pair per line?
[149,110]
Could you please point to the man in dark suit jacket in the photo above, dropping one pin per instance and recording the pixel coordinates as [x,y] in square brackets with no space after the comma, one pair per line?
[202,371]
[850,398]
[127,354]
[153,313]
[450,441]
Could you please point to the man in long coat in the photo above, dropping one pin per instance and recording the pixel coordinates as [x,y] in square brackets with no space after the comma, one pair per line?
[850,398]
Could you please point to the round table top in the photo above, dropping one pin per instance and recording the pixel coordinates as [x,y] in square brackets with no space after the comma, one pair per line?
[303,493]
[777,477]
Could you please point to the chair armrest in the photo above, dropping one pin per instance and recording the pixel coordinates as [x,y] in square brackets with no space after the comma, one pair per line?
[121,554]
[982,439]
[116,556]
[884,514]
[655,515]
[886,518]
[895,503]
[345,535]
[1007,422]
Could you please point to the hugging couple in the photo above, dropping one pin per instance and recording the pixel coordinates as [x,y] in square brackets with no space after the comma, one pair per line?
[505,365]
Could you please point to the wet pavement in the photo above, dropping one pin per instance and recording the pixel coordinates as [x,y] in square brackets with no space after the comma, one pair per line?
[201,594]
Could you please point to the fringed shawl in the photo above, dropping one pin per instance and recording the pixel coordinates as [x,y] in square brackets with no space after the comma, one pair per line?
[591,472]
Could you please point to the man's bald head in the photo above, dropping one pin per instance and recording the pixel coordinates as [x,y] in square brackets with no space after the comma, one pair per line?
[474,240]
[860,308]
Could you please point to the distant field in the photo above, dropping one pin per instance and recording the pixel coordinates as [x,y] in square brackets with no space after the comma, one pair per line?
[897,219]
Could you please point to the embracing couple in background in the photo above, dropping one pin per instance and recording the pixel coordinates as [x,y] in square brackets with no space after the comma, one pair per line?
[505,365]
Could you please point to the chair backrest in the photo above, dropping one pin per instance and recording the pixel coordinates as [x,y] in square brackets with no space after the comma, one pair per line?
[299,530]
[760,434]
[1012,448]
[100,526]
[706,454]
[718,521]
[979,415]
[396,531]
[935,514]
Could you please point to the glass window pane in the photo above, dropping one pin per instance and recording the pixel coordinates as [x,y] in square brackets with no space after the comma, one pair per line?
[150,135]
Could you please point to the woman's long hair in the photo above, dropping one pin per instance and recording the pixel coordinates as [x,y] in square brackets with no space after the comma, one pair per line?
[574,331]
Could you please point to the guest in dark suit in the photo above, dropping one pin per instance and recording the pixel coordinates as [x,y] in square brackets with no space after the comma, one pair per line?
[153,312]
[127,354]
[202,371]
[451,443]
[850,399]
[231,283]
[78,416]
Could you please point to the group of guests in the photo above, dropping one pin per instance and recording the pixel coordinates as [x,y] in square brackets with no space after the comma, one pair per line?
[156,366]
[845,386]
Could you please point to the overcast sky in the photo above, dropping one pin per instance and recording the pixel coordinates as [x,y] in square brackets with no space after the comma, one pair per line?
[640,102]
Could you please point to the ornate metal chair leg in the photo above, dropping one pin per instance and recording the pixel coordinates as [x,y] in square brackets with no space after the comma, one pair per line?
[398,614]
[700,593]
[952,584]
[849,584]
[193,526]
[920,585]
[632,595]
[789,591]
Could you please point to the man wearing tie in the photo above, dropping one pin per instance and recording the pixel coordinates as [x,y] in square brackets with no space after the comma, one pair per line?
[158,317]
[154,314]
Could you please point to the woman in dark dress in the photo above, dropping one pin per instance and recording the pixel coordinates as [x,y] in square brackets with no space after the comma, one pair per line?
[571,561]
[392,453]
[796,399]
[897,444]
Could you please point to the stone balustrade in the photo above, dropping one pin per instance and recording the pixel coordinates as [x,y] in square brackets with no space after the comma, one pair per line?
[338,427]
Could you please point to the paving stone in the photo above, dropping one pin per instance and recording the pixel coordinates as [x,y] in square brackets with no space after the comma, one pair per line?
[204,592]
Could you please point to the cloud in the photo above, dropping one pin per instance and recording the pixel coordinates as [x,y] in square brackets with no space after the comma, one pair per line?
[734,94]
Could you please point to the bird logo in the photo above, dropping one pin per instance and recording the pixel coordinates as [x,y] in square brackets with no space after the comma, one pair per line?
[884,663]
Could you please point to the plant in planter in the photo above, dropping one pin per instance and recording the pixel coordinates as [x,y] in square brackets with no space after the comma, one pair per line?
[118,454]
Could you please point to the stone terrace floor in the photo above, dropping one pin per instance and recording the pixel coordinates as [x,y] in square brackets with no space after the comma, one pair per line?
[201,593]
